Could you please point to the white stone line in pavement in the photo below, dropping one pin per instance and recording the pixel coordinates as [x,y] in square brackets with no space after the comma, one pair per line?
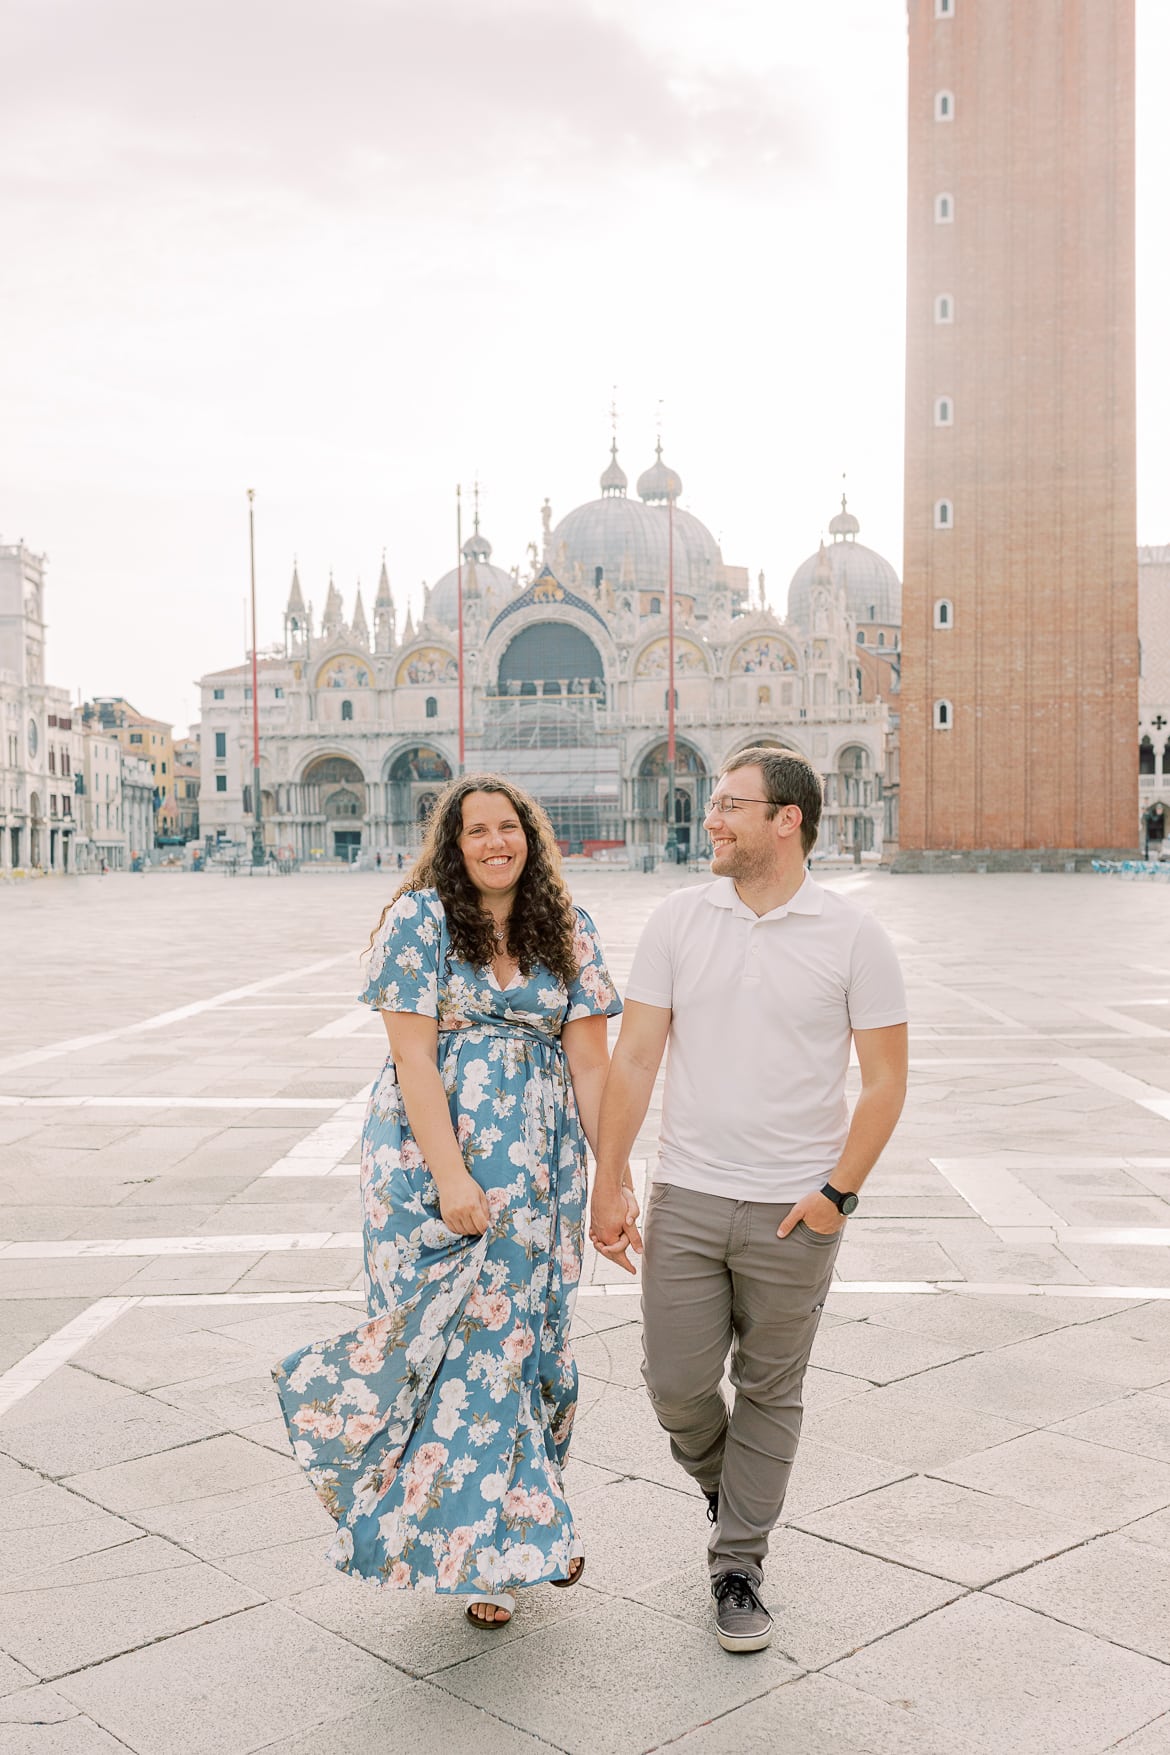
[79,1102]
[1104,1014]
[994,1193]
[207,1243]
[348,1025]
[35,1056]
[31,1371]
[320,1152]
[1111,1078]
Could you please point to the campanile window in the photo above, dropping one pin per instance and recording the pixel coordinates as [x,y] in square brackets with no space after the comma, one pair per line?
[944,308]
[944,515]
[944,613]
[944,209]
[944,106]
[944,412]
[944,715]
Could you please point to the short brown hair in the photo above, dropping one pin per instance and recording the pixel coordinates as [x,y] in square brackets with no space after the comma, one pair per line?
[789,778]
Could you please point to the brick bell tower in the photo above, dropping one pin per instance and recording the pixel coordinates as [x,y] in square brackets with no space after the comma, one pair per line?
[1020,652]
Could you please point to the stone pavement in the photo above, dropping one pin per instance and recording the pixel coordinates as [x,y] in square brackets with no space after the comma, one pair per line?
[975,1558]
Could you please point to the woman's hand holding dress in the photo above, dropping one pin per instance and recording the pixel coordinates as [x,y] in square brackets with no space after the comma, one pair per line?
[463,1205]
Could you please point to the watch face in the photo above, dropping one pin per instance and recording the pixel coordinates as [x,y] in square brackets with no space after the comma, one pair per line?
[848,1204]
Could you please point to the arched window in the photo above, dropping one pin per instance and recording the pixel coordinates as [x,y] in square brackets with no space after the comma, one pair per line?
[861,636]
[944,515]
[881,637]
[432,707]
[347,709]
[944,412]
[656,606]
[764,696]
[857,674]
[944,614]
[944,106]
[944,715]
[873,612]
[1146,757]
[944,308]
[944,209]
[1166,757]
[666,693]
[944,8]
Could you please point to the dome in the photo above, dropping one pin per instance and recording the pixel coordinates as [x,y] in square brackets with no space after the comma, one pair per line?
[869,580]
[659,483]
[630,542]
[495,587]
[613,477]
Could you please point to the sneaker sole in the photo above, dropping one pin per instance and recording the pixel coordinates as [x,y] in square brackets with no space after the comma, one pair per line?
[744,1641]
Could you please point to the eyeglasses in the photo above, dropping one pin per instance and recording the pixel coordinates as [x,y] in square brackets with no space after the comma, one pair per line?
[726,803]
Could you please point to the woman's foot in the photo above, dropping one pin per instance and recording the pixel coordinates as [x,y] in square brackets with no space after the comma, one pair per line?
[491,1612]
[576,1568]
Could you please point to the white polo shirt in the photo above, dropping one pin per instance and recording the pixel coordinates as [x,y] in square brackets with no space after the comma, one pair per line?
[763,1007]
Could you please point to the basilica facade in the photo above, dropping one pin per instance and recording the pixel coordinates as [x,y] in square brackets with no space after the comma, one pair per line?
[565,689]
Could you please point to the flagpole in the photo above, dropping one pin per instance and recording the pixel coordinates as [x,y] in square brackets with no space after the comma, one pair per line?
[459,567]
[671,830]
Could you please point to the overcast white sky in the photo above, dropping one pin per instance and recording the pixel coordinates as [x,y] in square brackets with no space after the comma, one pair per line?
[350,254]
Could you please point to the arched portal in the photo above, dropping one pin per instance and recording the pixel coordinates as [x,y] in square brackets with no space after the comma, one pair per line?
[333,795]
[416,777]
[542,730]
[691,791]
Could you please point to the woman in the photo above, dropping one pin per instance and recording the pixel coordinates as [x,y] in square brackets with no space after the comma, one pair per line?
[436,1434]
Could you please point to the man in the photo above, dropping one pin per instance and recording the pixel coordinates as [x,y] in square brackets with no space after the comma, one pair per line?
[759,981]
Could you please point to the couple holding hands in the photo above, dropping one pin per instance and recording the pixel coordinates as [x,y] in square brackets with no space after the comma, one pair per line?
[437,1432]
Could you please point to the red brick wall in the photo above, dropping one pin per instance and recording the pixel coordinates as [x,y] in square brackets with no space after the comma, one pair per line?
[1041,567]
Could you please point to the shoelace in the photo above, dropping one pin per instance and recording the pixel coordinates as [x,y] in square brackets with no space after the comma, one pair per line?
[739,1587]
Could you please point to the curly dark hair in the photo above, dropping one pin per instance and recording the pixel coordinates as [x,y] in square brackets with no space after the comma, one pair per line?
[543,919]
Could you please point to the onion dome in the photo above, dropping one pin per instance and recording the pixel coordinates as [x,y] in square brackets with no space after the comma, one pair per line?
[614,481]
[844,524]
[659,483]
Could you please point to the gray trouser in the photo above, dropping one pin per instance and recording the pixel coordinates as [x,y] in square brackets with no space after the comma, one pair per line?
[717,1279]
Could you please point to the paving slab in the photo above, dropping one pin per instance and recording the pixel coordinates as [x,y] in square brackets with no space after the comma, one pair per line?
[415,1720]
[1069,1477]
[1024,1683]
[816,1715]
[1115,1587]
[235,1686]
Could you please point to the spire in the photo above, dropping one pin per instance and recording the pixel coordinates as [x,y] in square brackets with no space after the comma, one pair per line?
[823,574]
[332,621]
[384,616]
[408,630]
[477,547]
[296,603]
[359,627]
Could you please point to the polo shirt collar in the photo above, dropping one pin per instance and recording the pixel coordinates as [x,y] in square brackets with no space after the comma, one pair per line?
[809,899]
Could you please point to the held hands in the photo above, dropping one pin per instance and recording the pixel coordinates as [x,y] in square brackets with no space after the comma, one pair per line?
[613,1228]
[818,1213]
[464,1206]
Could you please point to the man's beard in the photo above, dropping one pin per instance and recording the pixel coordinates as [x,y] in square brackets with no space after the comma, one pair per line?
[743,864]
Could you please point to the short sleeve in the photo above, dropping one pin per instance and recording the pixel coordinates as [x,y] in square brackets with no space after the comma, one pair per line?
[403,967]
[592,994]
[877,993]
[652,976]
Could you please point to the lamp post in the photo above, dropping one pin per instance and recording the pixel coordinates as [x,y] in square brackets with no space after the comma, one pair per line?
[459,567]
[258,825]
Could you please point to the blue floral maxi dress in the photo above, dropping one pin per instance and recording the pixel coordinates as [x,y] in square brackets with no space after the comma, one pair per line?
[436,1433]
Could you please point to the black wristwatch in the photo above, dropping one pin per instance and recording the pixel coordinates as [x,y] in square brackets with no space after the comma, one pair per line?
[844,1203]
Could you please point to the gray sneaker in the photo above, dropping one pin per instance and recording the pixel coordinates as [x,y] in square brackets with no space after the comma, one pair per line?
[741,1621]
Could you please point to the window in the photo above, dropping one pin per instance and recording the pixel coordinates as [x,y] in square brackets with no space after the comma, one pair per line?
[944,715]
[217,694]
[221,746]
[279,694]
[135,737]
[666,694]
[944,614]
[656,606]
[65,762]
[763,696]
[52,761]
[944,106]
[66,805]
[861,636]
[944,412]
[944,515]
[881,637]
[221,782]
[52,804]
[164,767]
[944,308]
[432,707]
[944,8]
[944,209]
[347,709]
[247,691]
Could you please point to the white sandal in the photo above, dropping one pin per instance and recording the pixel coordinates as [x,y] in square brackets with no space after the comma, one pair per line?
[505,1600]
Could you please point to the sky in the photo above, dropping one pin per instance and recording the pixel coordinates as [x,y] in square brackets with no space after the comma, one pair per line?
[350,255]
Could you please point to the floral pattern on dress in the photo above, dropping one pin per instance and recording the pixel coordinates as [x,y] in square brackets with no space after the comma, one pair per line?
[436,1434]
